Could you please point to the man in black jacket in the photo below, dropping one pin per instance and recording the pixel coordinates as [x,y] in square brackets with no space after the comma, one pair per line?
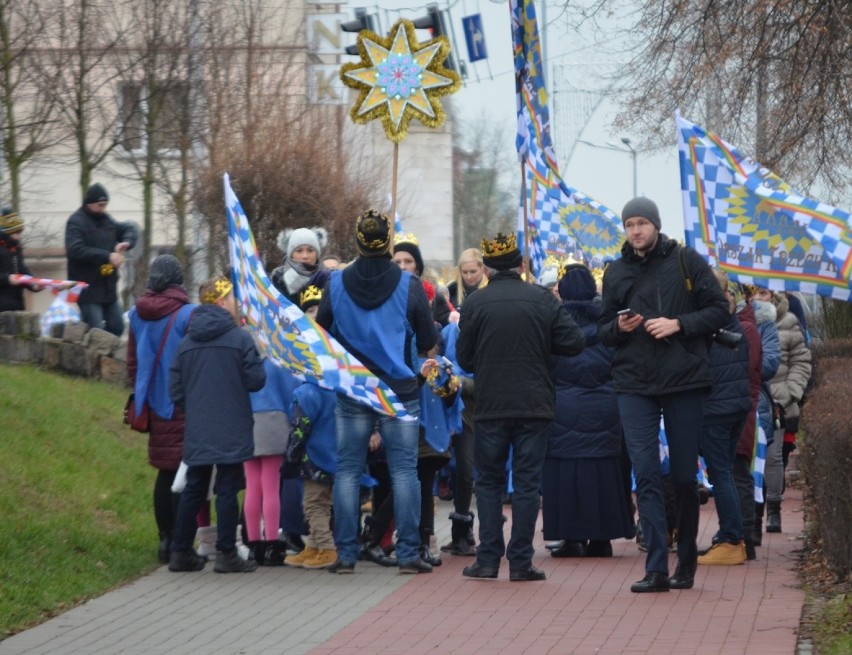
[661,304]
[507,332]
[95,245]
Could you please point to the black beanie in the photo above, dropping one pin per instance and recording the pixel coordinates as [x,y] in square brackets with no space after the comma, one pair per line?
[577,283]
[642,207]
[165,271]
[96,193]
[414,250]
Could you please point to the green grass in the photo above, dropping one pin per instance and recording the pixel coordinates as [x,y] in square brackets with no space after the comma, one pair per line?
[75,495]
[833,626]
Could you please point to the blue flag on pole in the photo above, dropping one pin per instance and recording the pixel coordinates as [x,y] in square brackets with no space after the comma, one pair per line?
[746,220]
[561,220]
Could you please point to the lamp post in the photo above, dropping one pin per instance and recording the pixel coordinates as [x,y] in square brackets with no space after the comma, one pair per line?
[630,150]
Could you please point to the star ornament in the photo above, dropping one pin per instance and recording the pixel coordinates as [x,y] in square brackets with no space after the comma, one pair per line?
[400,79]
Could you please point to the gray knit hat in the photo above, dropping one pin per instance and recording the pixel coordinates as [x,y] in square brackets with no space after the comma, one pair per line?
[165,271]
[643,207]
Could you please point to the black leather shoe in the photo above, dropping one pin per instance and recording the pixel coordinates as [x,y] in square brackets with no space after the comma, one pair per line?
[186,560]
[342,567]
[376,555]
[528,574]
[477,570]
[415,566]
[651,583]
[684,576]
[599,549]
[570,549]
[432,559]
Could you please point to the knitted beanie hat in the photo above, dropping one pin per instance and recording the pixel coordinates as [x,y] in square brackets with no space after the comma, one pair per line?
[643,207]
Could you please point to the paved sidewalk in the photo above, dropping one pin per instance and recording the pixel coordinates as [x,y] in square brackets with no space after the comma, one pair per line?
[585,606]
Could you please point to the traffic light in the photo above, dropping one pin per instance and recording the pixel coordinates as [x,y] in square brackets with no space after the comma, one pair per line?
[363,21]
[434,22]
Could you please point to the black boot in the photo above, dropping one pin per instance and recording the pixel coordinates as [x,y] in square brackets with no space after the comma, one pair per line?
[757,535]
[462,536]
[773,516]
[165,552]
[275,553]
[257,551]
[372,551]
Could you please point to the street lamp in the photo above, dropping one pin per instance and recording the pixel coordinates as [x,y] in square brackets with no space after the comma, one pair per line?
[630,150]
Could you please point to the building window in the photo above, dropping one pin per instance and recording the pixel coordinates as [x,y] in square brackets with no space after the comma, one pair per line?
[156,116]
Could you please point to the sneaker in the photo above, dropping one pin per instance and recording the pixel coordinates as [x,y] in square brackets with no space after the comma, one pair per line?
[231,562]
[186,560]
[298,559]
[415,566]
[724,554]
[322,559]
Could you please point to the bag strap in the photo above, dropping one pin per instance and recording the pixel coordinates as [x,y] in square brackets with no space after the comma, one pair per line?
[160,349]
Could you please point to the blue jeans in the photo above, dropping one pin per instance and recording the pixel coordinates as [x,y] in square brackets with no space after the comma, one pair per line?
[719,447]
[640,416]
[355,424]
[229,481]
[106,316]
[528,440]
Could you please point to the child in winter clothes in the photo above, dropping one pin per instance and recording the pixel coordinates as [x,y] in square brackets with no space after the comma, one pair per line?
[216,367]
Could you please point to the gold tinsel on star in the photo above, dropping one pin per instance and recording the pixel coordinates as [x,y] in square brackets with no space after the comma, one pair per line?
[396,111]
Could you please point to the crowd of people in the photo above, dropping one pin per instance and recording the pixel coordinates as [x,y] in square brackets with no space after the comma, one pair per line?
[555,391]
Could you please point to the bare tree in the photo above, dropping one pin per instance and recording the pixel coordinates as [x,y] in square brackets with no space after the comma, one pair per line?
[484,198]
[773,77]
[26,113]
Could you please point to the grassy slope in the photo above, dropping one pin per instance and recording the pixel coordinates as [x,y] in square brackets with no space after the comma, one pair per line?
[75,495]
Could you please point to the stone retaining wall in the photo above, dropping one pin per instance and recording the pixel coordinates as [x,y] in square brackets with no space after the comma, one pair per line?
[73,347]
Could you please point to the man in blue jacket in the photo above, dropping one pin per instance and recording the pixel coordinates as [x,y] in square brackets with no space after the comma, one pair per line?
[381,315]
[661,304]
[216,366]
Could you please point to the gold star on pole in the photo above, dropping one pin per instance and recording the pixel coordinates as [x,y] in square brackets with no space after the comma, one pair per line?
[400,79]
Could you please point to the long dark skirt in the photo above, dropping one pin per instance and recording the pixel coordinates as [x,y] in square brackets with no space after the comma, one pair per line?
[585,499]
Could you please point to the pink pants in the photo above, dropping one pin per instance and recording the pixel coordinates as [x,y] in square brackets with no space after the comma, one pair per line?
[263,496]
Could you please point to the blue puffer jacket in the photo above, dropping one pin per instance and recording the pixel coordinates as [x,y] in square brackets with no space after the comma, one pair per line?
[586,421]
[729,399]
[216,367]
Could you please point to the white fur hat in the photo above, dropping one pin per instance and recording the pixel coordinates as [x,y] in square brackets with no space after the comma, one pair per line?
[315,237]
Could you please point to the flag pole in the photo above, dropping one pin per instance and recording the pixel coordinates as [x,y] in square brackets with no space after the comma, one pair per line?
[526,224]
[392,216]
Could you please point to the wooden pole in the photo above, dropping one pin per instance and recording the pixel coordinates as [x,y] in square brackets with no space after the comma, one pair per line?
[526,224]
[393,193]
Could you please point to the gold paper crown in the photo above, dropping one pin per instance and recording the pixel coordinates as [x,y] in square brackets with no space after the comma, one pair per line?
[405,238]
[598,274]
[373,222]
[220,287]
[565,264]
[499,245]
[551,262]
[312,293]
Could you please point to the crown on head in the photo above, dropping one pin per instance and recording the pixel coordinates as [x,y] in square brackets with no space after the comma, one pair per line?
[220,288]
[565,264]
[405,238]
[499,245]
[312,293]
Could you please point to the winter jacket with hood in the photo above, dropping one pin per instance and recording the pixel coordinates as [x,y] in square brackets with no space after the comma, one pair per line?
[370,282]
[148,321]
[764,316]
[745,444]
[90,238]
[729,400]
[11,263]
[788,385]
[656,286]
[216,367]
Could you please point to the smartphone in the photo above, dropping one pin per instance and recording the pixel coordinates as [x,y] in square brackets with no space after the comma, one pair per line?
[629,313]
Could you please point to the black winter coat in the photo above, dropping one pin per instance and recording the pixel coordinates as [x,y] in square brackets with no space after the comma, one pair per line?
[729,400]
[11,263]
[90,238]
[587,422]
[216,367]
[507,332]
[656,286]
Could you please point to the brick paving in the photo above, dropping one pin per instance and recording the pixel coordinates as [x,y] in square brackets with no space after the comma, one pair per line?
[584,607]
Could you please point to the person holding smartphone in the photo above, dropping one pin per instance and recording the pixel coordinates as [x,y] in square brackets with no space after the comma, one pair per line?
[661,366]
